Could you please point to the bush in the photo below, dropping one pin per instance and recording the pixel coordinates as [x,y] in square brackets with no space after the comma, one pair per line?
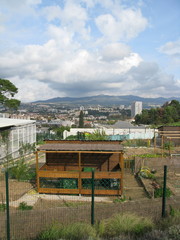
[159,192]
[154,235]
[79,231]
[2,207]
[52,233]
[174,232]
[23,206]
[21,171]
[126,224]
[171,220]
[74,231]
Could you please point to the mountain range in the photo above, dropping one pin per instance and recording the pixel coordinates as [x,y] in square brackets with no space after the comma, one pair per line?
[107,100]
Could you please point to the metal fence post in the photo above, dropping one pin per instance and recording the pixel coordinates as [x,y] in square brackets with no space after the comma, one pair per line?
[164,193]
[7,206]
[92,199]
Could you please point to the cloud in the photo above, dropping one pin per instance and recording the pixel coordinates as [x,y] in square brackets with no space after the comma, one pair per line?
[124,26]
[115,51]
[78,48]
[171,48]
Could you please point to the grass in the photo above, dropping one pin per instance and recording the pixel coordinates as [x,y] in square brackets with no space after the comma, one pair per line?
[126,224]
[74,231]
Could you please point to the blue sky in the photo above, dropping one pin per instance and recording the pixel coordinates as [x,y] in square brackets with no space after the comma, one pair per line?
[57,48]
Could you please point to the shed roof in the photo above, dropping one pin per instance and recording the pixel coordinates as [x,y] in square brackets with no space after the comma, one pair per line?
[81,147]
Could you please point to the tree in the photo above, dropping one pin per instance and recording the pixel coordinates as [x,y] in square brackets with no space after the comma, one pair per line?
[81,120]
[7,92]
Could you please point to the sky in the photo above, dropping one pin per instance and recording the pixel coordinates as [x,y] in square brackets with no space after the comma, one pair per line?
[76,48]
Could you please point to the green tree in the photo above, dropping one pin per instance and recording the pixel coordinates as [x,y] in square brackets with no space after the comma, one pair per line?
[169,113]
[81,120]
[7,92]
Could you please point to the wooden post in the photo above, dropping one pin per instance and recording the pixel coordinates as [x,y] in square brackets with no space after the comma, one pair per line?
[37,170]
[162,146]
[80,169]
[154,141]
[170,147]
[121,162]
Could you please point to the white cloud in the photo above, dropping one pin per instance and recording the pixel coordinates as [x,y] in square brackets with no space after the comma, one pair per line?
[115,51]
[128,24]
[171,48]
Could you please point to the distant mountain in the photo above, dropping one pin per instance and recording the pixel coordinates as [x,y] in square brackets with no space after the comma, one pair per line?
[107,100]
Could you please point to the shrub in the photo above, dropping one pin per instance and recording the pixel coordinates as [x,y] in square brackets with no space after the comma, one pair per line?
[126,224]
[21,171]
[79,231]
[174,232]
[74,231]
[159,192]
[2,207]
[52,233]
[170,220]
[154,235]
[169,145]
[23,206]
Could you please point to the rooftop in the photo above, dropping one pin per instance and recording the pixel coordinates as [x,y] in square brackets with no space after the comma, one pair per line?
[102,147]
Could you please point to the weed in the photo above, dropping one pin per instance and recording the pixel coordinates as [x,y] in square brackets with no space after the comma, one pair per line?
[23,206]
[122,199]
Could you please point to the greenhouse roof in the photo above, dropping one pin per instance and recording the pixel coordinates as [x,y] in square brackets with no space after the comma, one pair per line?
[9,122]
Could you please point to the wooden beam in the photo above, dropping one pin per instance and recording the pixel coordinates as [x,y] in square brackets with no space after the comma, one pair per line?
[121,162]
[37,171]
[80,171]
[76,191]
[99,152]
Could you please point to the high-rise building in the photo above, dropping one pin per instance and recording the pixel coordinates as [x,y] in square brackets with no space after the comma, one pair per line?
[136,108]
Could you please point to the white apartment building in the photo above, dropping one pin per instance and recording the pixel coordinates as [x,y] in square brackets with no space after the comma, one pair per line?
[19,132]
[136,108]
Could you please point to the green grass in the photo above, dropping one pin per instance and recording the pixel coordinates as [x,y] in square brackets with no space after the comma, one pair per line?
[126,224]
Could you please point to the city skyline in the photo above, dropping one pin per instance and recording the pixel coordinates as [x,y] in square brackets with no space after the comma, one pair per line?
[90,47]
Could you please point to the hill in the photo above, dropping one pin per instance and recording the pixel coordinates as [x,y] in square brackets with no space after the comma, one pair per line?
[107,100]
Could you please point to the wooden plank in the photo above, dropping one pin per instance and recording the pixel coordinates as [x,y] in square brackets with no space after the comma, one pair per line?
[100,192]
[101,175]
[76,191]
[58,174]
[37,171]
[71,174]
[59,190]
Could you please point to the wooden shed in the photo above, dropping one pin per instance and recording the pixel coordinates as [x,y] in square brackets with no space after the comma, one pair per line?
[68,167]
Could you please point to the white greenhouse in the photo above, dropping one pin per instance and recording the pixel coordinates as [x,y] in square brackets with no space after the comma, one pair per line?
[14,133]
